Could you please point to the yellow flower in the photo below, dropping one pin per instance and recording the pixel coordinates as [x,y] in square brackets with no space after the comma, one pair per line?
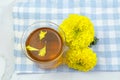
[81,59]
[42,52]
[31,48]
[42,34]
[79,31]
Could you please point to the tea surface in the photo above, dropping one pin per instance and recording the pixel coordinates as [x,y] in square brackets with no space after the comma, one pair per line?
[52,40]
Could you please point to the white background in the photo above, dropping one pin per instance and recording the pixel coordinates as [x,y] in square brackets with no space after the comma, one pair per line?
[6,54]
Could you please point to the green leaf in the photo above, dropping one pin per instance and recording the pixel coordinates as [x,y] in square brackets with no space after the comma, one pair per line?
[94,42]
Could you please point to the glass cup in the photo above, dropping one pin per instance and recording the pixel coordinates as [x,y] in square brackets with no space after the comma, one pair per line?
[44,24]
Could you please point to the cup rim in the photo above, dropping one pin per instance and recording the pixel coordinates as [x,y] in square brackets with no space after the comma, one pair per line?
[25,51]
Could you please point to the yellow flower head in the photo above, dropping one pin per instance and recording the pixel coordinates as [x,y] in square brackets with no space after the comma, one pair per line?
[81,59]
[42,34]
[79,31]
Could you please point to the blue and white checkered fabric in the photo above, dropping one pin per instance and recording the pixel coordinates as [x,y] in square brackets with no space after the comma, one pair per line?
[105,15]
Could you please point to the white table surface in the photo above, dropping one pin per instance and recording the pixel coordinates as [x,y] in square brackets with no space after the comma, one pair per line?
[6,54]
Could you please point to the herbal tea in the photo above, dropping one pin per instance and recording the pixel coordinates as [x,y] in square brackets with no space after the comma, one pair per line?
[44,44]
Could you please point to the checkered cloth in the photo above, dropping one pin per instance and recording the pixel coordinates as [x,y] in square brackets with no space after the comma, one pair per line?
[105,15]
